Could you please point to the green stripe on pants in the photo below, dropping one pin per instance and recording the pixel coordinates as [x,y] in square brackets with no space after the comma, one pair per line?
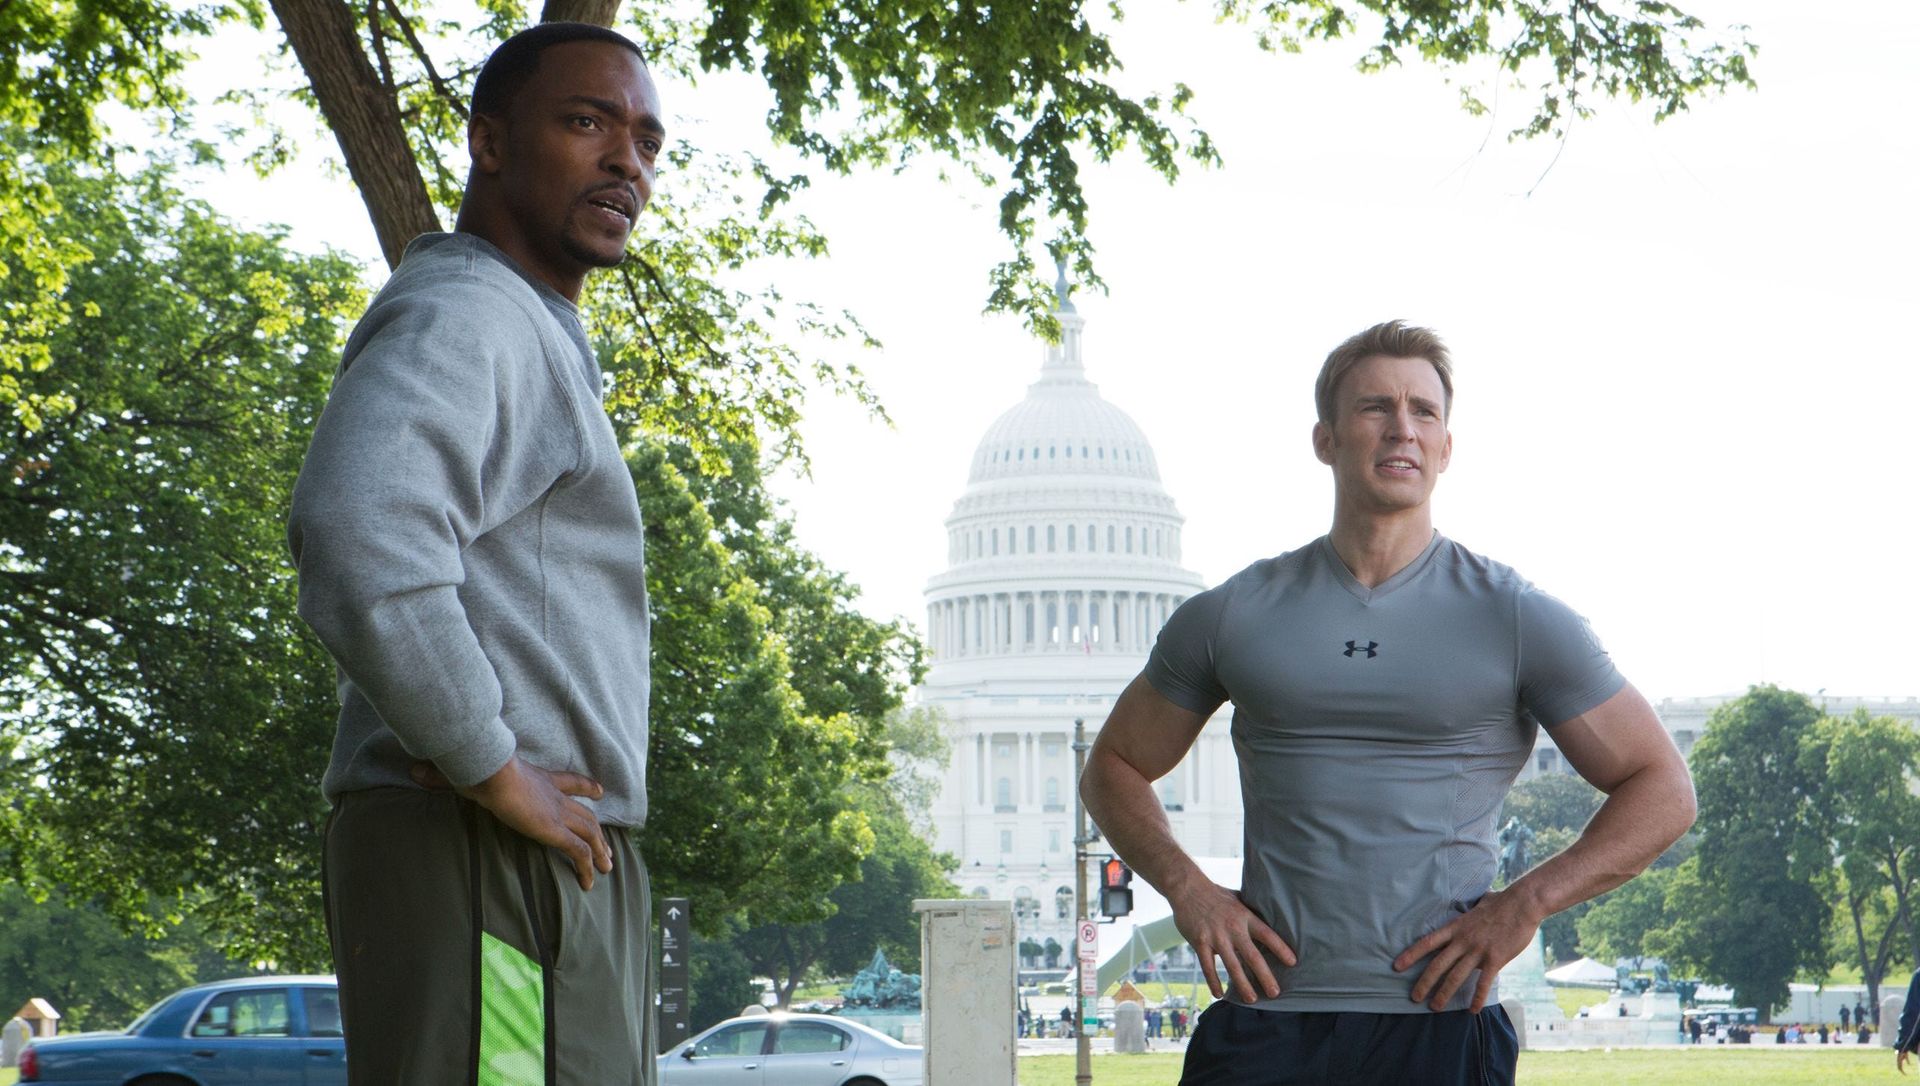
[513,1027]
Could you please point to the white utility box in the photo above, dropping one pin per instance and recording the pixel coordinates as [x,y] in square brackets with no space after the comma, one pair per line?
[967,991]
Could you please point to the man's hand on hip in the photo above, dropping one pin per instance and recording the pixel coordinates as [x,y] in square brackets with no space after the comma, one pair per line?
[534,802]
[1485,937]
[1216,921]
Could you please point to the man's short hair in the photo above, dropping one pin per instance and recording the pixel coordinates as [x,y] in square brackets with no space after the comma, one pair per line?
[1394,339]
[515,61]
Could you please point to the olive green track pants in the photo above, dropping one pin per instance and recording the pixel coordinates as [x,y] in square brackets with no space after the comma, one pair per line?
[468,955]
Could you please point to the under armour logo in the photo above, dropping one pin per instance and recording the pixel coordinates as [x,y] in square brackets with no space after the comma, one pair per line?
[1355,646]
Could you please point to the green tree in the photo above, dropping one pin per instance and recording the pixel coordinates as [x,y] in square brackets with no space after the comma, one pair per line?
[1870,817]
[1020,96]
[168,711]
[82,960]
[1617,925]
[167,717]
[1750,908]
[875,910]
[751,758]
[1558,806]
[1559,801]
[719,976]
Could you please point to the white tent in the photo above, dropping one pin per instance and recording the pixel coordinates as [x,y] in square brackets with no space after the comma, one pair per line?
[1585,973]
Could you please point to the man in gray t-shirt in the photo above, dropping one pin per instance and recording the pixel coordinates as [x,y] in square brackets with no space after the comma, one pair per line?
[1387,684]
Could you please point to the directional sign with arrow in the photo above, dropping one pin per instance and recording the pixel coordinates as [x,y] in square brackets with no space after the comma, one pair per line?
[675,1015]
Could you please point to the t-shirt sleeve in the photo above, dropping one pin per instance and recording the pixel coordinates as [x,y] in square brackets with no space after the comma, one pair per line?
[1181,665]
[1564,670]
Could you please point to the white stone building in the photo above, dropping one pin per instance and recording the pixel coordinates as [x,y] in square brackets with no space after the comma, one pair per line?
[1686,719]
[1063,561]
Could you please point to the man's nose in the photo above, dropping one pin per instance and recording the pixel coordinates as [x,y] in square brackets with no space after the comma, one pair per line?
[623,160]
[1400,425]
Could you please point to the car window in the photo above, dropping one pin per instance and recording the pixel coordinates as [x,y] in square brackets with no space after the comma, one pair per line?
[323,1011]
[800,1037]
[250,1012]
[744,1039]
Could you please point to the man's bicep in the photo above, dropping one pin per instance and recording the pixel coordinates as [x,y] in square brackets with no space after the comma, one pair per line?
[1615,739]
[1148,731]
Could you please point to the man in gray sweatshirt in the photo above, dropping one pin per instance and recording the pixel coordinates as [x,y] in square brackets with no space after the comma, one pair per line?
[470,552]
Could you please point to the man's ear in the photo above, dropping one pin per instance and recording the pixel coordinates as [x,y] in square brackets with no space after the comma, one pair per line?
[1323,443]
[487,142]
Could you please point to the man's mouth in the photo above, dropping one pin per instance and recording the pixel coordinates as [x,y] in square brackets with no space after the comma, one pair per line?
[1399,463]
[616,201]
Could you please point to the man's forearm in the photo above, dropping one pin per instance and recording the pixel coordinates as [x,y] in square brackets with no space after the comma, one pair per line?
[1122,803]
[1644,816]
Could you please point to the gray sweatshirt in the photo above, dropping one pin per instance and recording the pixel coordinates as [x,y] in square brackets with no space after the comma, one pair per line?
[468,538]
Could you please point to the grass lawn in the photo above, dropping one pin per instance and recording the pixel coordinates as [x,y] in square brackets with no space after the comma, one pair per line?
[9,1076]
[1717,1066]
[1572,999]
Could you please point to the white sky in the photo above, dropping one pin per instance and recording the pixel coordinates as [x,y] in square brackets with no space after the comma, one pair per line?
[1688,384]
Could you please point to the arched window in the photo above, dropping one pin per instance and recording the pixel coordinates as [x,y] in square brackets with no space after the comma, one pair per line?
[1025,905]
[1110,536]
[1049,539]
[1129,539]
[978,891]
[1070,534]
[1030,535]
[1063,903]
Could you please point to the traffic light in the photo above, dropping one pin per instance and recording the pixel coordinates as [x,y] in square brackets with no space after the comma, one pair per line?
[1115,898]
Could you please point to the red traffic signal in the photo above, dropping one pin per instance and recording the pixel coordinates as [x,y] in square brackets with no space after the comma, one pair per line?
[1115,898]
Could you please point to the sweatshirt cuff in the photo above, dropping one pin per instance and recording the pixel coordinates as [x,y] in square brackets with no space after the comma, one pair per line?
[469,763]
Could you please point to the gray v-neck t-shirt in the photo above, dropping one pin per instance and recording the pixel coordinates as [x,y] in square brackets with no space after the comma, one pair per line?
[1378,731]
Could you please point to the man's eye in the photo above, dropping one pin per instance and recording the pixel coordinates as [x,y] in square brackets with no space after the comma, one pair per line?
[585,122]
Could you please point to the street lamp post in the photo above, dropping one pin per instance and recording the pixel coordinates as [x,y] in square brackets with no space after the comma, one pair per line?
[1083,1045]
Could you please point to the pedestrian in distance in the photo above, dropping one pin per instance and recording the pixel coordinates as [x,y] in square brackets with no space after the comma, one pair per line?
[1387,687]
[1845,1021]
[469,548]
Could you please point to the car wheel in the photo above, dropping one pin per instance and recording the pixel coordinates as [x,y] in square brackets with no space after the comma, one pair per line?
[865,1082]
[161,1080]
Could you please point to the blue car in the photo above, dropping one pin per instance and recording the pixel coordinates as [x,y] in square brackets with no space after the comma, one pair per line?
[259,1031]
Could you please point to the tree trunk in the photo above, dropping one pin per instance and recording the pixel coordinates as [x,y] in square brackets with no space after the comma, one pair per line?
[597,12]
[1906,910]
[364,118]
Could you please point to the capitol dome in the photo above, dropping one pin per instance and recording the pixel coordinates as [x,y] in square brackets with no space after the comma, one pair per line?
[1063,562]
[1063,539]
[1063,427]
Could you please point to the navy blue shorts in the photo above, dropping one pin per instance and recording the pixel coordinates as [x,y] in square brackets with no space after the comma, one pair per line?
[1234,1045]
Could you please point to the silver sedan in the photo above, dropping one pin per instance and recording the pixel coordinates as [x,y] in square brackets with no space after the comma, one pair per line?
[791,1050]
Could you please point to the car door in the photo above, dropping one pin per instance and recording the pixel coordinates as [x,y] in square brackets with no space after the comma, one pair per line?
[732,1055]
[809,1054]
[324,1044]
[244,1037]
